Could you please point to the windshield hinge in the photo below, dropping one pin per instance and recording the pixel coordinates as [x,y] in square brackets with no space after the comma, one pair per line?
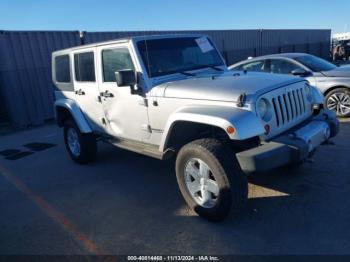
[143,102]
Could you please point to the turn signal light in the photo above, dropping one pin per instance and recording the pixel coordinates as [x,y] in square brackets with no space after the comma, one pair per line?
[230,130]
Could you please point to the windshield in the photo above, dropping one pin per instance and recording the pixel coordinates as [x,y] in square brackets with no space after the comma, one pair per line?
[175,55]
[316,64]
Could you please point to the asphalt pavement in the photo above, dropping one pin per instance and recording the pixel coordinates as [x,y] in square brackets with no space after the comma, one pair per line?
[129,204]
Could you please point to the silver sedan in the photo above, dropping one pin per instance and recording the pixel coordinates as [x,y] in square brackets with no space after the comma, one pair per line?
[333,81]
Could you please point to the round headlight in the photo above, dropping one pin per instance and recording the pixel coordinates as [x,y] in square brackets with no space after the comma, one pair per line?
[308,92]
[264,109]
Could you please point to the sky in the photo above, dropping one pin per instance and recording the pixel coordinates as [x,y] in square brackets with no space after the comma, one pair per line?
[126,15]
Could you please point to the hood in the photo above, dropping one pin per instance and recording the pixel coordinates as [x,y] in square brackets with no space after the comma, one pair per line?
[342,71]
[226,87]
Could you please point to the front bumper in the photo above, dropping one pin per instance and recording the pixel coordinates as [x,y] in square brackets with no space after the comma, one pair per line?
[291,147]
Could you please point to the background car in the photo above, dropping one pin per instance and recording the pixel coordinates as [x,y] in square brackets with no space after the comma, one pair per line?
[332,80]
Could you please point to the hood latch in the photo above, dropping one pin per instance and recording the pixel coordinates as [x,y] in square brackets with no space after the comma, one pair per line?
[241,100]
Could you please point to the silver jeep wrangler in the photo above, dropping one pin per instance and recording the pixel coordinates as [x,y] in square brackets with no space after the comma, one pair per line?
[166,96]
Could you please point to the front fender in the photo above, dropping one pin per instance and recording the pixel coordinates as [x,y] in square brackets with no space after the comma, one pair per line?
[245,123]
[76,113]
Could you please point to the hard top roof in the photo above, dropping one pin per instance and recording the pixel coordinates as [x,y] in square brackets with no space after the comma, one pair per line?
[131,38]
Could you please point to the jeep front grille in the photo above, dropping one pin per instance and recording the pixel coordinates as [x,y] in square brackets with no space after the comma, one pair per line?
[289,106]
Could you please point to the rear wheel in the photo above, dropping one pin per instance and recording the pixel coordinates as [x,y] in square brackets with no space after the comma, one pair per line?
[81,147]
[210,179]
[338,100]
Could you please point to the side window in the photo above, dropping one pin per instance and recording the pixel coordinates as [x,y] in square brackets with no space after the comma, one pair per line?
[115,60]
[280,66]
[62,69]
[84,67]
[256,66]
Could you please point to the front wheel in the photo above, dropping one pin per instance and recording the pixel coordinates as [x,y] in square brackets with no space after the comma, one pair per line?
[338,100]
[81,147]
[210,179]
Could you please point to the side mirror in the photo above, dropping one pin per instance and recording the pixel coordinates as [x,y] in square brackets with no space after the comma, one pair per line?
[125,77]
[300,72]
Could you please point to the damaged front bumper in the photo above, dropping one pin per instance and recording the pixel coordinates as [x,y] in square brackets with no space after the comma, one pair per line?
[291,147]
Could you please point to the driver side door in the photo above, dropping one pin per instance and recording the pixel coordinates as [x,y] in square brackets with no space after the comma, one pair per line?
[126,114]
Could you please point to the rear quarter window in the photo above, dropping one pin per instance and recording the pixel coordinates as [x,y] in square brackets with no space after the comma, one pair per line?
[62,69]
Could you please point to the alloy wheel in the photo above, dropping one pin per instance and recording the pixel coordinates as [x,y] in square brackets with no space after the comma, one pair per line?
[340,103]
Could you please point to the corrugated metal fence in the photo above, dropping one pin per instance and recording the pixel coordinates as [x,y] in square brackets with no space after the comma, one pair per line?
[316,42]
[25,60]
[25,73]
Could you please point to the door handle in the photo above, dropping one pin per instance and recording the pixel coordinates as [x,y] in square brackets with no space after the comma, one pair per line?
[106,94]
[80,92]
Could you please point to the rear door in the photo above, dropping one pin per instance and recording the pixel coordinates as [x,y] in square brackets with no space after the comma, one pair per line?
[86,87]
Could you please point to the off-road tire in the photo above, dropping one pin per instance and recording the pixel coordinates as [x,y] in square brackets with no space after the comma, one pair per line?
[88,144]
[232,182]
